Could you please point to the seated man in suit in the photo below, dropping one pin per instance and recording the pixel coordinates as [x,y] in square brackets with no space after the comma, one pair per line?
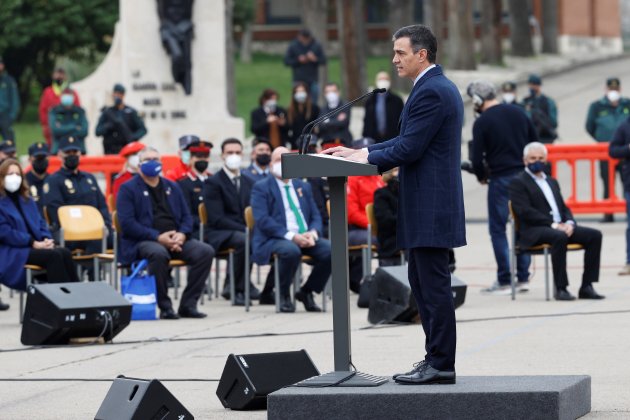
[545,219]
[288,224]
[193,182]
[226,195]
[156,224]
[261,156]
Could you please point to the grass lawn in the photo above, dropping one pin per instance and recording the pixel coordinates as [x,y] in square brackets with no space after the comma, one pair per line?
[265,71]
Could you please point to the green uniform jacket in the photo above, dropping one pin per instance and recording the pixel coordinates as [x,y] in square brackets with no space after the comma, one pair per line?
[65,122]
[9,97]
[603,118]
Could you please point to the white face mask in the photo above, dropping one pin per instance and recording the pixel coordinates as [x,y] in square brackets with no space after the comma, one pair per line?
[12,182]
[613,95]
[276,169]
[383,84]
[333,99]
[270,105]
[509,97]
[233,162]
[133,161]
[300,97]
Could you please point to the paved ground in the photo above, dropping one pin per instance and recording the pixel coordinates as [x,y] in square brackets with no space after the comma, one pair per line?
[495,335]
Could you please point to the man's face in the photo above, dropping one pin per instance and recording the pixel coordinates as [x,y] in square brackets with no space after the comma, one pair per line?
[118,95]
[231,149]
[58,75]
[261,149]
[535,155]
[149,155]
[1,67]
[534,87]
[304,39]
[276,156]
[408,64]
[331,88]
[198,156]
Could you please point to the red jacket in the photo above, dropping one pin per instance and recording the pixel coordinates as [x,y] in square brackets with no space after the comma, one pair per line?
[120,179]
[177,173]
[50,98]
[361,193]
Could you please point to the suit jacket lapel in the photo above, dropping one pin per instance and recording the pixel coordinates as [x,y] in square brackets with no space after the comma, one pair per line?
[277,194]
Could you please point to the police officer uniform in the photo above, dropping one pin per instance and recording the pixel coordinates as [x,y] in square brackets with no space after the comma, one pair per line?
[543,112]
[68,122]
[35,181]
[7,147]
[192,185]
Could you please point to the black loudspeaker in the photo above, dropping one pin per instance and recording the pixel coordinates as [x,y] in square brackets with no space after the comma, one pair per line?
[59,312]
[139,399]
[247,379]
[391,299]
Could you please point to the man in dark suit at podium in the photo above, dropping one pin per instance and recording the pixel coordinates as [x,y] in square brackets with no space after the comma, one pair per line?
[431,204]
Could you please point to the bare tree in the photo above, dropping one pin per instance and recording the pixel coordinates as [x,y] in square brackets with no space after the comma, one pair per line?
[434,16]
[229,58]
[351,32]
[491,51]
[315,18]
[550,26]
[520,35]
[460,35]
[400,13]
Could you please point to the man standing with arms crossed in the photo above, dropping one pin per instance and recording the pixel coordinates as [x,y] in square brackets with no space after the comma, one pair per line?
[431,206]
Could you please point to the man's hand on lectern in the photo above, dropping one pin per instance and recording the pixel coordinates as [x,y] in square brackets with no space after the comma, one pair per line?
[355,155]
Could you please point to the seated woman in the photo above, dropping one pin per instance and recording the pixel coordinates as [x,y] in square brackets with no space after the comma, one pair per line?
[301,111]
[24,237]
[269,120]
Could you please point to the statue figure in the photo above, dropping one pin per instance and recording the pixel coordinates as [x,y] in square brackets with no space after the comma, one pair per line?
[176,32]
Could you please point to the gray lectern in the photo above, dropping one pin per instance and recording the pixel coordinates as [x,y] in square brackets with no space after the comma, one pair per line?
[337,170]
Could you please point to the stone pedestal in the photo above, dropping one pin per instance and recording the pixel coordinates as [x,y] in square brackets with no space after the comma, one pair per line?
[138,60]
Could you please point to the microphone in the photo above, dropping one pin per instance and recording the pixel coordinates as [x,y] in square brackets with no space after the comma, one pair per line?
[311,126]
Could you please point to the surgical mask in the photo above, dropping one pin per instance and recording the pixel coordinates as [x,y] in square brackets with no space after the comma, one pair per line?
[12,182]
[201,166]
[40,165]
[233,162]
[383,84]
[71,162]
[133,161]
[536,167]
[276,169]
[151,168]
[300,96]
[67,99]
[263,160]
[185,157]
[613,95]
[509,97]
[117,101]
[332,98]
[270,105]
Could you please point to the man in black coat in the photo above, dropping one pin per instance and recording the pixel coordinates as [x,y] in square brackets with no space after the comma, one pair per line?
[304,56]
[386,215]
[226,195]
[544,218]
[382,112]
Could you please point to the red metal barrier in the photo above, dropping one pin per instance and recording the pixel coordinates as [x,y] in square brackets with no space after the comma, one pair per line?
[572,153]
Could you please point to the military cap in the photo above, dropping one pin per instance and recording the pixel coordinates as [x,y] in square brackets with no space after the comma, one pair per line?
[119,88]
[131,148]
[38,149]
[7,146]
[534,79]
[185,141]
[202,146]
[69,143]
[613,83]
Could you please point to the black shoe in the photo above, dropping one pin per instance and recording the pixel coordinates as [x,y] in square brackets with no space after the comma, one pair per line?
[254,293]
[428,375]
[191,313]
[267,299]
[587,292]
[168,314]
[3,306]
[608,218]
[563,294]
[307,299]
[239,299]
[225,294]
[418,366]
[286,305]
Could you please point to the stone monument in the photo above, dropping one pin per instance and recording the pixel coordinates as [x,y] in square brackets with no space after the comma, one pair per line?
[138,60]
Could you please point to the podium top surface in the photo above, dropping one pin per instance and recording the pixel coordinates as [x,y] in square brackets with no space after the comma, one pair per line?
[295,165]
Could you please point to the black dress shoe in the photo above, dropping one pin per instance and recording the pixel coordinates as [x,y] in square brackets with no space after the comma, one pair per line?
[418,366]
[168,314]
[254,293]
[239,299]
[286,305]
[307,299]
[191,313]
[3,306]
[427,376]
[267,299]
[587,292]
[563,294]
[608,218]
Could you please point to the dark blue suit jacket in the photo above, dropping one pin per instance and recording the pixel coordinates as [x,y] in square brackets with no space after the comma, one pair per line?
[271,222]
[15,239]
[135,213]
[428,152]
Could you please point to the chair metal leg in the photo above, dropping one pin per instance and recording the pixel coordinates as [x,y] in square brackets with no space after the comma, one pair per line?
[230,270]
[29,281]
[276,278]
[216,278]
[325,296]
[247,270]
[546,253]
[257,274]
[176,283]
[297,281]
[513,261]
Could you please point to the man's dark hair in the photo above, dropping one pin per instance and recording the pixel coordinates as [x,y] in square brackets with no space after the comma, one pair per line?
[231,140]
[420,38]
[332,84]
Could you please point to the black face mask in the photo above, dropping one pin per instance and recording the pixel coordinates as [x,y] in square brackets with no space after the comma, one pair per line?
[40,165]
[58,82]
[394,184]
[263,160]
[201,166]
[71,162]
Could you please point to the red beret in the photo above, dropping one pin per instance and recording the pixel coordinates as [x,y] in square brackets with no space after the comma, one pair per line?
[131,148]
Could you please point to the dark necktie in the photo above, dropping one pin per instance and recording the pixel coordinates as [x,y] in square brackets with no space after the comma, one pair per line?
[237,183]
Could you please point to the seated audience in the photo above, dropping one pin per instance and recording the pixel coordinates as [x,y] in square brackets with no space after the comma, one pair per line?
[269,120]
[156,225]
[544,218]
[130,153]
[24,237]
[301,111]
[261,156]
[227,195]
[193,182]
[36,177]
[288,224]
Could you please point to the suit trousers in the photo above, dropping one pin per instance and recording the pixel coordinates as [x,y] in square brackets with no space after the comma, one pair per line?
[590,239]
[198,257]
[234,239]
[57,262]
[430,281]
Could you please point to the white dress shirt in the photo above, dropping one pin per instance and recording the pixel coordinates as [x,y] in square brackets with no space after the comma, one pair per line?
[423,73]
[546,190]
[292,224]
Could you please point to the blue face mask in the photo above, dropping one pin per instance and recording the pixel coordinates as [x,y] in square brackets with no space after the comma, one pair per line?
[536,167]
[67,100]
[151,168]
[185,157]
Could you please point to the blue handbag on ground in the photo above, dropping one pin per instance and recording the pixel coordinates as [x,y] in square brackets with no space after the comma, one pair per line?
[139,289]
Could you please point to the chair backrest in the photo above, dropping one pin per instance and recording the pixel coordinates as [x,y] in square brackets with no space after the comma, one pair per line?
[369,211]
[111,203]
[46,216]
[249,218]
[115,221]
[203,214]
[328,207]
[513,216]
[81,223]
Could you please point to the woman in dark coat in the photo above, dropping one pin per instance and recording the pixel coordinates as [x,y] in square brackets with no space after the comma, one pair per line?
[269,120]
[301,111]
